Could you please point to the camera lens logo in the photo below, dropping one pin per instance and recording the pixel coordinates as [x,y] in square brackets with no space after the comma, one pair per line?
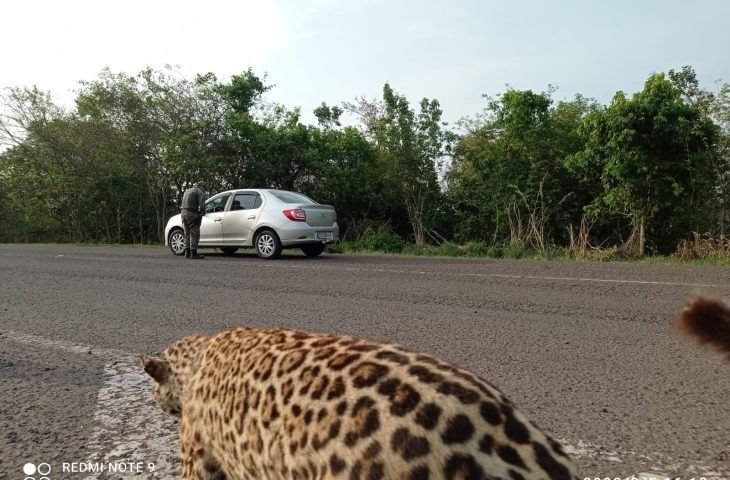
[43,469]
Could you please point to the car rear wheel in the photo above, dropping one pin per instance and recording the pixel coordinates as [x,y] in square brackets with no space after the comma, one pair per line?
[229,250]
[176,241]
[268,244]
[313,250]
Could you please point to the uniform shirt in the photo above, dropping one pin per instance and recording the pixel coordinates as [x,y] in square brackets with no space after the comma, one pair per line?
[193,200]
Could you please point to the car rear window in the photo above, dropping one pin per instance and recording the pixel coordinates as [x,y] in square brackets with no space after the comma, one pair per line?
[291,197]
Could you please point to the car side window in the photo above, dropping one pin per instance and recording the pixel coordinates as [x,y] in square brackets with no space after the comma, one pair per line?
[246,201]
[216,205]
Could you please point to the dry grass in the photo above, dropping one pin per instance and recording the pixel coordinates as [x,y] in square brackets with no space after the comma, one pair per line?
[631,248]
[530,231]
[703,246]
[580,239]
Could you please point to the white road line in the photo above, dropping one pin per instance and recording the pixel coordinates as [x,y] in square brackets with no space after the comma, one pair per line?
[597,280]
[514,277]
[582,449]
[75,348]
[658,465]
[128,427]
[420,272]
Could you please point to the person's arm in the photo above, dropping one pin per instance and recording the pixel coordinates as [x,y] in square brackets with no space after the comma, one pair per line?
[201,202]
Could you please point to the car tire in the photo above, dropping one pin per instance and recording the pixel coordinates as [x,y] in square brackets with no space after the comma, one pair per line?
[267,244]
[313,250]
[229,250]
[176,241]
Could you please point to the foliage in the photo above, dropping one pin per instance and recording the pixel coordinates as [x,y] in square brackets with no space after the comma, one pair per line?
[410,147]
[510,158]
[378,241]
[720,113]
[653,155]
[529,174]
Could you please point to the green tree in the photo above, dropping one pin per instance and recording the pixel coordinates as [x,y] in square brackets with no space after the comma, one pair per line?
[508,170]
[26,199]
[46,155]
[246,136]
[116,137]
[350,177]
[112,166]
[188,121]
[720,112]
[411,147]
[328,117]
[654,155]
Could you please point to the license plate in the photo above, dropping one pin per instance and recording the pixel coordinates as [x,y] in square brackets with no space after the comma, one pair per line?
[324,236]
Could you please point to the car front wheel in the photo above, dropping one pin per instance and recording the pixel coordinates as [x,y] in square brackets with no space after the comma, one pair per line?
[176,241]
[268,244]
[313,250]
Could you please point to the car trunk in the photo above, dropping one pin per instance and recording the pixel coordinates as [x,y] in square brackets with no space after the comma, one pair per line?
[319,215]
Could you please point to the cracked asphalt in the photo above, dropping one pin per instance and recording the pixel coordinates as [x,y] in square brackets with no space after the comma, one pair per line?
[587,350]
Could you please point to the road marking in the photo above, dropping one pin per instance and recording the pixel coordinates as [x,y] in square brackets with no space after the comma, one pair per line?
[582,449]
[508,276]
[35,340]
[128,427]
[597,280]
[549,278]
[658,464]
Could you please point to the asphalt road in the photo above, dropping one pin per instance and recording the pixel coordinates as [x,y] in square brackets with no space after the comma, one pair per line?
[586,349]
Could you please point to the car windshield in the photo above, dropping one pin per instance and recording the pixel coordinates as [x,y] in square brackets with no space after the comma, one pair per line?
[291,197]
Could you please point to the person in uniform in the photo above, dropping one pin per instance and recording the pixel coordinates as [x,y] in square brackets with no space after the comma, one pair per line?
[192,210]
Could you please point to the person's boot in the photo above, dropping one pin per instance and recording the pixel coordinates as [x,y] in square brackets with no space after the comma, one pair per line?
[194,255]
[187,253]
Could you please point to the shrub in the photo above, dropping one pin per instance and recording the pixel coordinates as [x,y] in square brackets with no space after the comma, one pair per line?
[515,251]
[479,249]
[382,241]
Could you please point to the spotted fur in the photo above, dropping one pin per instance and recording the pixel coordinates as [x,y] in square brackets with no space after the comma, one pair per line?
[286,404]
[707,320]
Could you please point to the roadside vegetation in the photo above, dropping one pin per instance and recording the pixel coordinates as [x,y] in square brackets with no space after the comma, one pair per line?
[703,252]
[647,175]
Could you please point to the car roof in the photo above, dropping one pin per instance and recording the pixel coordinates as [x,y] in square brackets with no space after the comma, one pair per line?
[257,190]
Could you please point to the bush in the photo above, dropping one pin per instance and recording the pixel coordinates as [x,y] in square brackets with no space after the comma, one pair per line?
[700,248]
[515,251]
[480,249]
[495,252]
[373,241]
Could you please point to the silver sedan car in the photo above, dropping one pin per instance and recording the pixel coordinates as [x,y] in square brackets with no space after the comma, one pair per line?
[268,220]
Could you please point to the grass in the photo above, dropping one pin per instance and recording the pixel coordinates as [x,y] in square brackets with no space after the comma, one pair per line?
[698,251]
[483,250]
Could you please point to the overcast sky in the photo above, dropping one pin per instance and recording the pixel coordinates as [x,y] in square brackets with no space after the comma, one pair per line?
[334,51]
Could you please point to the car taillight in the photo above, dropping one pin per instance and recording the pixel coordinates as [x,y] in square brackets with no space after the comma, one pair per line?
[296,215]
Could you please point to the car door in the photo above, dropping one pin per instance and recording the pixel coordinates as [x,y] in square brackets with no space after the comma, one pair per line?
[211,228]
[241,218]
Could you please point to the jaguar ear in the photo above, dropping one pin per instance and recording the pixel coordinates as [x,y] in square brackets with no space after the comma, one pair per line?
[156,368]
